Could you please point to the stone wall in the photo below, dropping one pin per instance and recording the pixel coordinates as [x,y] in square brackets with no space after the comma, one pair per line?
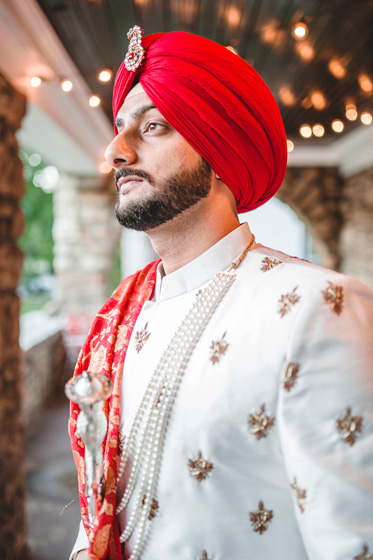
[356,245]
[86,236]
[338,213]
[12,489]
[315,195]
[45,365]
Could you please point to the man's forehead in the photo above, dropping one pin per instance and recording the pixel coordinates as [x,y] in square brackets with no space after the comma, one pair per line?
[135,91]
[134,99]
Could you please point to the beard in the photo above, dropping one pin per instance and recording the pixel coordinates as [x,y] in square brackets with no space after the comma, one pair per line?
[171,197]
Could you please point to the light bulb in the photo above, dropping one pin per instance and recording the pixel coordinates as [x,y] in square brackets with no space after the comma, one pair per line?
[105,75]
[318,130]
[290,145]
[105,167]
[66,85]
[366,118]
[94,101]
[305,131]
[337,125]
[300,30]
[35,81]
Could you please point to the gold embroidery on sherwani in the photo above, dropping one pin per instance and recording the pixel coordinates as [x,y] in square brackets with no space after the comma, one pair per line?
[365,554]
[287,301]
[260,423]
[218,349]
[260,518]
[348,426]
[289,375]
[268,263]
[153,508]
[200,468]
[300,495]
[141,337]
[334,296]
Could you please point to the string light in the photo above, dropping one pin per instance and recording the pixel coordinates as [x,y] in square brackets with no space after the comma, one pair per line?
[35,81]
[232,49]
[307,103]
[318,130]
[336,68]
[351,113]
[337,125]
[269,32]
[365,83]
[305,131]
[105,75]
[318,100]
[94,101]
[66,85]
[286,95]
[366,117]
[290,145]
[300,31]
[233,16]
[305,51]
[104,167]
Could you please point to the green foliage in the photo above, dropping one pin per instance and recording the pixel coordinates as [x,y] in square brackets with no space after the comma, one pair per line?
[115,272]
[37,205]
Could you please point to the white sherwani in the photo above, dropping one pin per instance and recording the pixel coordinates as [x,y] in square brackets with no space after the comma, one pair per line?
[268,453]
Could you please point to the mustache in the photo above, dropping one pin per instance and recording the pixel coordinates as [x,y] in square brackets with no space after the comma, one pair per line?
[125,172]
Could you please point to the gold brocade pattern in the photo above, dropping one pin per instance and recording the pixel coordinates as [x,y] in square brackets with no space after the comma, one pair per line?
[365,554]
[349,426]
[141,337]
[200,468]
[287,301]
[121,439]
[333,295]
[261,518]
[260,423]
[217,349]
[300,495]
[268,263]
[104,351]
[289,375]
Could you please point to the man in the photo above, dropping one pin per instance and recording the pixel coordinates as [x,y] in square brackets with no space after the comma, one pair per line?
[241,377]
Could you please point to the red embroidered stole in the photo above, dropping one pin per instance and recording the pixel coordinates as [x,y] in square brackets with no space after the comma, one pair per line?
[104,352]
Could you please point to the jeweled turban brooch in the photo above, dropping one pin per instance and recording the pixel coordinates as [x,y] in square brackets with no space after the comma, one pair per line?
[136,53]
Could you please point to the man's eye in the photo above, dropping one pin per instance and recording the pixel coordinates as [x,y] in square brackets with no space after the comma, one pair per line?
[151,127]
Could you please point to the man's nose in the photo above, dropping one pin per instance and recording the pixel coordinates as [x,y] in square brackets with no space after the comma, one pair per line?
[119,152]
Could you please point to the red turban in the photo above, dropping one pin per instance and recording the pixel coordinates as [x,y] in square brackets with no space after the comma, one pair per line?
[220,105]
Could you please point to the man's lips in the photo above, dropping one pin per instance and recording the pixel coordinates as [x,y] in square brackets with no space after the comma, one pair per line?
[124,182]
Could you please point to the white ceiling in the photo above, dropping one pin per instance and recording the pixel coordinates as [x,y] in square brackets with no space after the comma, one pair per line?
[62,127]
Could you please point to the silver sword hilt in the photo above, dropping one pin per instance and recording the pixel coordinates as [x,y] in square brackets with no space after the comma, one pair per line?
[89,391]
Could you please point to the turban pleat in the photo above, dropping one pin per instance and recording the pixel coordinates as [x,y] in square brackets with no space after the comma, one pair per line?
[220,105]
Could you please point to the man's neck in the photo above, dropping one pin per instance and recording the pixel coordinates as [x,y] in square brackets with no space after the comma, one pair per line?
[190,234]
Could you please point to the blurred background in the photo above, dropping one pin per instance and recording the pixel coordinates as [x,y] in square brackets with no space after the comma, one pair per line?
[61,250]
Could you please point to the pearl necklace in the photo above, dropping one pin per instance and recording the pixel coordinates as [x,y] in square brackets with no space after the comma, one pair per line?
[155,408]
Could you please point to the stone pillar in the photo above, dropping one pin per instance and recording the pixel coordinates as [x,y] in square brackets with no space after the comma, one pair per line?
[357,234]
[315,195]
[86,236]
[12,487]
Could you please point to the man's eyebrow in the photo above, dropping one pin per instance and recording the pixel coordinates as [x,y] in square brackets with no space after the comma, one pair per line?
[135,114]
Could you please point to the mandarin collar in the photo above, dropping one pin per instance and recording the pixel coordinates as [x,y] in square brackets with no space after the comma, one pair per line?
[199,271]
